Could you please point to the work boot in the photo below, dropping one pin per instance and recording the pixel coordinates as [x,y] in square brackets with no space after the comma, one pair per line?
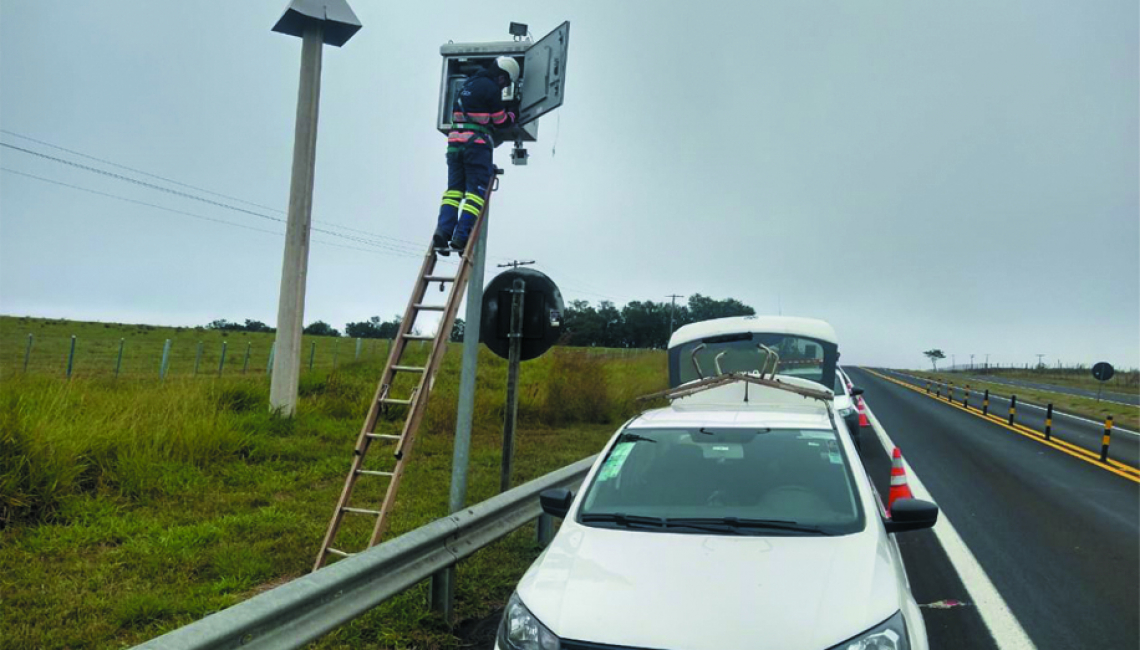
[459,245]
[439,244]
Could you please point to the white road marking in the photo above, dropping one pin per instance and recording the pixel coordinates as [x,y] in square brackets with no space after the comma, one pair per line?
[1002,624]
[1115,428]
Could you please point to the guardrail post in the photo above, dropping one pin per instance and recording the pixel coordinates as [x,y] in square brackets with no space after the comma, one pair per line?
[28,351]
[1107,439]
[545,529]
[71,357]
[928,386]
[938,391]
[1012,408]
[950,393]
[966,398]
[1049,421]
[986,403]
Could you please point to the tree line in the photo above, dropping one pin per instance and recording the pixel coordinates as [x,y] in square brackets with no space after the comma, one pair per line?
[639,324]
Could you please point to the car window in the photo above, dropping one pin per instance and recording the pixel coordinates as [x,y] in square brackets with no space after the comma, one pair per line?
[799,357]
[840,385]
[792,475]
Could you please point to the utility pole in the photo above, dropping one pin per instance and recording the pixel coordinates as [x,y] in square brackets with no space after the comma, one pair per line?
[971,363]
[317,22]
[1039,357]
[515,264]
[672,308]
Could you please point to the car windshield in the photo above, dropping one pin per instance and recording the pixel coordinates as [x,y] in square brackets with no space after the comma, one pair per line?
[748,352]
[729,476]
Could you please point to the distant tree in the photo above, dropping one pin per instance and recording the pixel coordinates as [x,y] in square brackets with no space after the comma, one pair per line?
[258,326]
[224,325]
[457,330]
[703,308]
[934,355]
[320,328]
[373,328]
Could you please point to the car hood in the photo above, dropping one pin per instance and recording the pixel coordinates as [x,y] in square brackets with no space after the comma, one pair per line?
[695,592]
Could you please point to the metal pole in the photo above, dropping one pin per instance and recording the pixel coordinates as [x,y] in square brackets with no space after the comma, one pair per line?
[443,583]
[119,360]
[165,360]
[71,357]
[28,351]
[518,291]
[248,350]
[222,362]
[198,358]
[294,267]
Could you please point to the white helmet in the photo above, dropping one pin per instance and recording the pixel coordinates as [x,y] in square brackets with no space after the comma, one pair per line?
[509,66]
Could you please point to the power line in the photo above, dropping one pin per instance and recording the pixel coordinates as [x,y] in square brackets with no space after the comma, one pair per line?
[398,240]
[514,264]
[196,216]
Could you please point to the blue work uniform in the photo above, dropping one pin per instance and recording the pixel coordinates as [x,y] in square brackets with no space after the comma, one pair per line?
[478,112]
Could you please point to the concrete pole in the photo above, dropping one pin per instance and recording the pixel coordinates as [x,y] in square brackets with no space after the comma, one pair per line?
[294,268]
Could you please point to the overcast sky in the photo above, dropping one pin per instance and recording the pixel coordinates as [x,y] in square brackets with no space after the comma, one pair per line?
[921,174]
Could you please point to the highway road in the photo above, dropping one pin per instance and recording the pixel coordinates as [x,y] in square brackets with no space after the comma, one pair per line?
[1045,545]
[1122,398]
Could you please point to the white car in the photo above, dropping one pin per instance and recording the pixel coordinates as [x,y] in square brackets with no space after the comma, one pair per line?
[845,406]
[721,524]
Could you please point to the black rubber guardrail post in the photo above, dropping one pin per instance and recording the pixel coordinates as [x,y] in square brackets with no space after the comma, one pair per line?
[986,403]
[1107,439]
[966,398]
[950,392]
[1012,408]
[1049,421]
[927,381]
[938,391]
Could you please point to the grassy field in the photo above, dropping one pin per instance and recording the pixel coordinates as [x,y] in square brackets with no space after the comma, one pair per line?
[1124,381]
[97,349]
[134,507]
[1124,416]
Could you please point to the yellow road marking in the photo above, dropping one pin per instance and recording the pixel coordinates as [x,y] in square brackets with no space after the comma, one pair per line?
[1080,453]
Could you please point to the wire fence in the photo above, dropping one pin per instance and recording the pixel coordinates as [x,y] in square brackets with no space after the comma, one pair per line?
[1076,375]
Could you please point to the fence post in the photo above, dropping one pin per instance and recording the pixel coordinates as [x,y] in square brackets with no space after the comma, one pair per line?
[198,358]
[336,346]
[119,360]
[248,349]
[222,362]
[1107,439]
[28,351]
[312,351]
[1049,421]
[1012,408]
[269,364]
[165,361]
[357,348]
[71,357]
[986,403]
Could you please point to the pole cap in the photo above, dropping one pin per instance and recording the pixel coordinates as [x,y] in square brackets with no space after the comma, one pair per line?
[340,22]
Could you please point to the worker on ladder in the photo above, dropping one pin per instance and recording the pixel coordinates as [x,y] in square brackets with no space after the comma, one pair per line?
[478,112]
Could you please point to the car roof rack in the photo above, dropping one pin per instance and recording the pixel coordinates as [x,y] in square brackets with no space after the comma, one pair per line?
[701,385]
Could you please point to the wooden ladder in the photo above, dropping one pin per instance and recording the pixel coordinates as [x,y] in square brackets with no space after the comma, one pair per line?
[416,403]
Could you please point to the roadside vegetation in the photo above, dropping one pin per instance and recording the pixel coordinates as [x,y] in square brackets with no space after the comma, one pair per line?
[131,507]
[1125,416]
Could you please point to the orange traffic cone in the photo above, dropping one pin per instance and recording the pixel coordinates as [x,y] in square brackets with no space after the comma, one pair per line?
[899,488]
[863,422]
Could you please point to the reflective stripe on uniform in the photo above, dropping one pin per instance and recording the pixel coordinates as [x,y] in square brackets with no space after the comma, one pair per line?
[474,198]
[473,209]
[451,202]
[499,117]
[453,194]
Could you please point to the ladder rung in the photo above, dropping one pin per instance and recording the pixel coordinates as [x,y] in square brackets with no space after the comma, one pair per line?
[408,369]
[438,278]
[361,511]
[383,436]
[373,473]
[419,337]
[338,552]
[392,400]
[423,307]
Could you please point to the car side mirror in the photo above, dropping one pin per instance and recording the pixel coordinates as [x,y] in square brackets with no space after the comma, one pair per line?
[556,501]
[856,391]
[911,514]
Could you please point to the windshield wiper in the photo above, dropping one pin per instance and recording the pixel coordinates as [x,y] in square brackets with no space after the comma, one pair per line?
[622,519]
[735,523]
[634,437]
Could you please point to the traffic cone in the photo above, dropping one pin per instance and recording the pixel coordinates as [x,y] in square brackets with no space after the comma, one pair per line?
[899,488]
[863,422]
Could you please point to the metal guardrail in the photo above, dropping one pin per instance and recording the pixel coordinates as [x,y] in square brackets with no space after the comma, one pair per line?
[304,609]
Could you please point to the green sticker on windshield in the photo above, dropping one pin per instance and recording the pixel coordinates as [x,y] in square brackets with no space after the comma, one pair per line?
[615,461]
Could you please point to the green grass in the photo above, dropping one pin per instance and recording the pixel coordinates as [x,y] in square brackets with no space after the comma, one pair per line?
[97,349]
[1125,416]
[134,507]
[1124,381]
